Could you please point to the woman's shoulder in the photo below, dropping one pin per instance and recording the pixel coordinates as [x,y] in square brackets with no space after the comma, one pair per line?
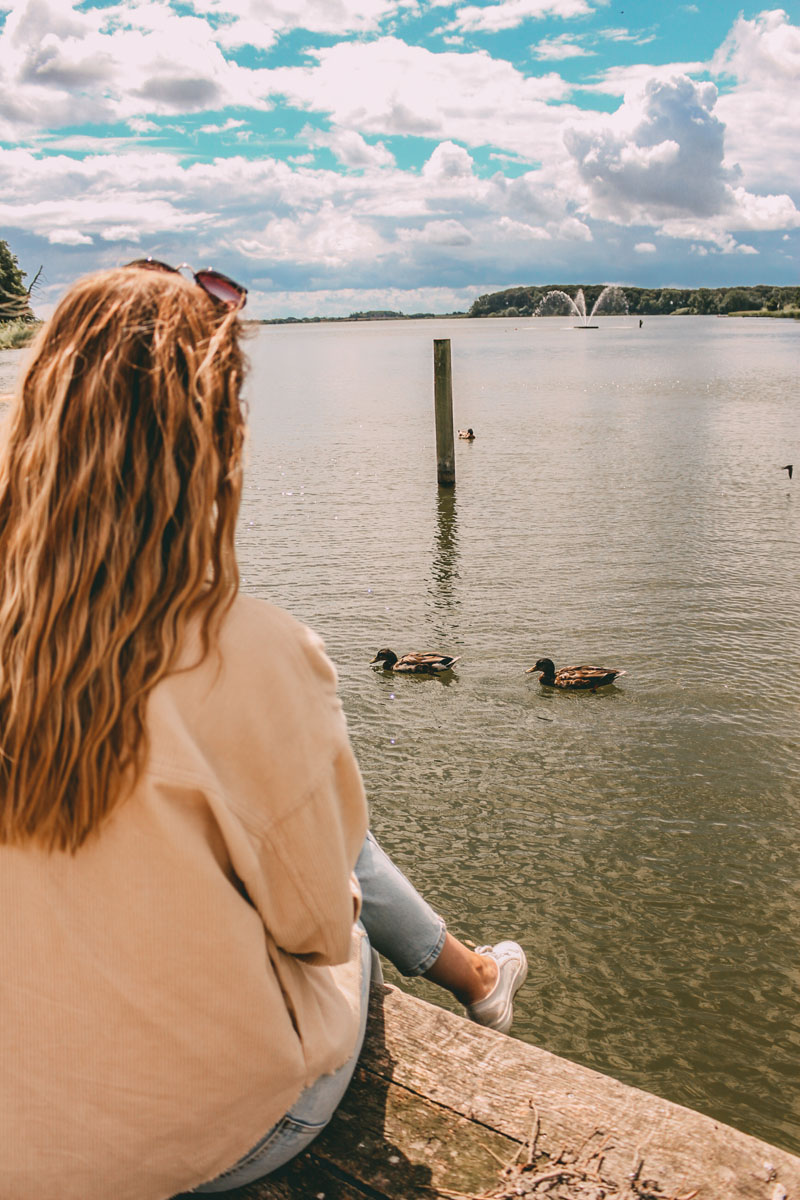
[260,636]
[263,701]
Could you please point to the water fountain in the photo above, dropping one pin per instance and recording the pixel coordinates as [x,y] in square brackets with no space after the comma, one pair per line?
[612,299]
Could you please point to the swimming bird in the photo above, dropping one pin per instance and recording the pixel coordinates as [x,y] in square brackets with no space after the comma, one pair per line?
[467,434]
[574,677]
[415,664]
[789,469]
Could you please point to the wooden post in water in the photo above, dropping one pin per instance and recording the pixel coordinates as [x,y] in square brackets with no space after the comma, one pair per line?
[443,402]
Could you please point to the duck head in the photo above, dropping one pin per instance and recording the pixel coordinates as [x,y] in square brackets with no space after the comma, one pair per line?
[546,666]
[387,657]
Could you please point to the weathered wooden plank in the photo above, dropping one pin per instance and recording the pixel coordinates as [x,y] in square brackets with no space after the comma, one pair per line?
[494,1080]
[438,1104]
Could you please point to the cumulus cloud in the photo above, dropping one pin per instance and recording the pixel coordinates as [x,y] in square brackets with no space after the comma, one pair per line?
[521,231]
[64,65]
[448,161]
[759,62]
[327,238]
[660,160]
[439,233]
[349,147]
[392,88]
[661,156]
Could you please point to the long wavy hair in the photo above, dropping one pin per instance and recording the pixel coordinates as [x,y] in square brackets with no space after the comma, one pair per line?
[120,480]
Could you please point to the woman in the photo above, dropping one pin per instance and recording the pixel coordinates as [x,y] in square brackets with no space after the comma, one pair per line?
[184,973]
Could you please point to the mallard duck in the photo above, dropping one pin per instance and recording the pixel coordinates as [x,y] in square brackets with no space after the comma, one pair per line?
[574,677]
[467,434]
[415,664]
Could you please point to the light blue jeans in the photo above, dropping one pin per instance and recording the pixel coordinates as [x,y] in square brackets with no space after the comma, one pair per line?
[405,929]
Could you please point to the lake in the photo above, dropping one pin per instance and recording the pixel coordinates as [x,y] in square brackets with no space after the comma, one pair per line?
[623,504]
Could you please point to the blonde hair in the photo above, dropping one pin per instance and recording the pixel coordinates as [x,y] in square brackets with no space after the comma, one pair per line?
[120,482]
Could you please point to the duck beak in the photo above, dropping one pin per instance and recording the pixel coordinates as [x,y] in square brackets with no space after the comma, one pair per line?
[529,670]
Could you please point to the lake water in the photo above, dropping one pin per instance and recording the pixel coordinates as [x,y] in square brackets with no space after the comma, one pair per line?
[623,504]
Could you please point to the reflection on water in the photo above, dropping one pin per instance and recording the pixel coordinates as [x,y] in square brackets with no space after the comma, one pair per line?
[444,570]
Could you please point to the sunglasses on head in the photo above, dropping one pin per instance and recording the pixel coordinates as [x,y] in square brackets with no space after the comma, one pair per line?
[216,285]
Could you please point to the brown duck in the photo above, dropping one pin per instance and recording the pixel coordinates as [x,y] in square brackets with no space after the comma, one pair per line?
[574,677]
[415,664]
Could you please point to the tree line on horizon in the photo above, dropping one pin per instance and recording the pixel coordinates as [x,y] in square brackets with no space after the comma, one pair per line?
[524,301]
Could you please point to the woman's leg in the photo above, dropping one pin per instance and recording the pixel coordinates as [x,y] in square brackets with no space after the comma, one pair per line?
[399,923]
[403,927]
[307,1117]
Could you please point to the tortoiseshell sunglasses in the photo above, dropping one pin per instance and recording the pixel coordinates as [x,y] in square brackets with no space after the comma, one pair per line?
[219,287]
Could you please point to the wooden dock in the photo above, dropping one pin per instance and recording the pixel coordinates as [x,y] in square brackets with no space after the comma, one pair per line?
[439,1107]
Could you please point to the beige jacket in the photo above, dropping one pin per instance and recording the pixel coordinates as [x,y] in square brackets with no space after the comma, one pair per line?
[166,993]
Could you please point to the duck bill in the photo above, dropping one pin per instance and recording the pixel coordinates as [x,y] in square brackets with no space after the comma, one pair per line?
[530,669]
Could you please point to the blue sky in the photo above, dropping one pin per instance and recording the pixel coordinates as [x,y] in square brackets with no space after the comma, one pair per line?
[338,155]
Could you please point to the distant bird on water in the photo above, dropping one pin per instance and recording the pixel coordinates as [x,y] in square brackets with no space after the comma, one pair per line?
[415,664]
[789,469]
[467,435]
[574,677]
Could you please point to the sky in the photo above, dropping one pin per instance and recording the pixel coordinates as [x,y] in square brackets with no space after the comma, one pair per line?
[344,155]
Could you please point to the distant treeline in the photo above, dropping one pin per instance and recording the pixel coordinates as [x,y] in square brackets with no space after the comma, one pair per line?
[523,301]
[372,314]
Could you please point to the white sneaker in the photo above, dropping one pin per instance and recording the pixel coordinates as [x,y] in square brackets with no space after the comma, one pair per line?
[497,1009]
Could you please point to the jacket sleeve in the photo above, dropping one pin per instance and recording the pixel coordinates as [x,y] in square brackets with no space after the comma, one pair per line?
[309,898]
[309,819]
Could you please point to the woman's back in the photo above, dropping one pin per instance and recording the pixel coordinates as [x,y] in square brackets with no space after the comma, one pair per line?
[142,995]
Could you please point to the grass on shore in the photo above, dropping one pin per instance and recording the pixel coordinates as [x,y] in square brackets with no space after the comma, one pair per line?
[14,334]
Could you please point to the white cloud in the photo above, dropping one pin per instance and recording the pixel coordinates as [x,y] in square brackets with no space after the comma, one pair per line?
[659,160]
[63,65]
[349,147]
[764,51]
[508,14]
[225,127]
[660,155]
[448,162]
[520,231]
[68,237]
[561,47]
[625,35]
[439,233]
[759,62]
[644,248]
[389,87]
[259,22]
[327,238]
[633,79]
[121,233]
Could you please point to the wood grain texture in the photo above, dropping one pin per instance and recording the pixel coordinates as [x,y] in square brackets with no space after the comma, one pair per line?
[438,1104]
